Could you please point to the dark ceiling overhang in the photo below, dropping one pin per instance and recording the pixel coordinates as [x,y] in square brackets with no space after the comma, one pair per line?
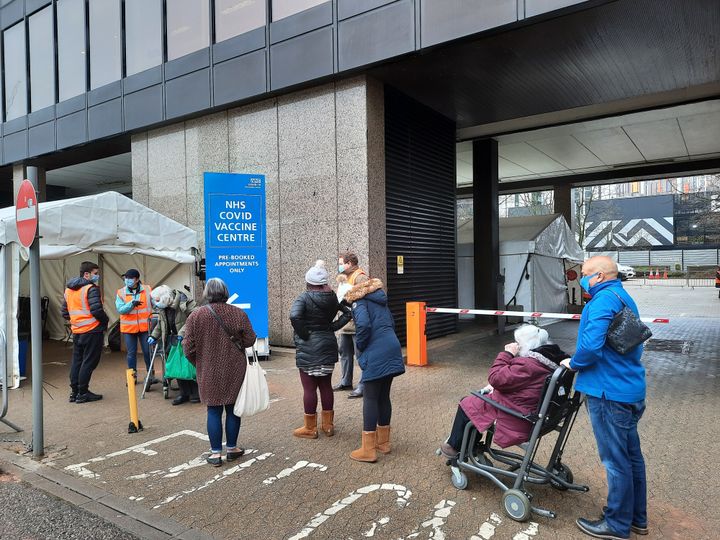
[604,60]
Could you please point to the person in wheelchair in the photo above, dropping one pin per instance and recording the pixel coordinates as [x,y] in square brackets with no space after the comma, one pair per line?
[173,308]
[516,380]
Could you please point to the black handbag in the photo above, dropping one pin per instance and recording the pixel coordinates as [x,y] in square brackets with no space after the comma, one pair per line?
[626,331]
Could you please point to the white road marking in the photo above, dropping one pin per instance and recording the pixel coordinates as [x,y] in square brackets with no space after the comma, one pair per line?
[299,465]
[437,521]
[217,478]
[142,448]
[532,530]
[318,519]
[487,529]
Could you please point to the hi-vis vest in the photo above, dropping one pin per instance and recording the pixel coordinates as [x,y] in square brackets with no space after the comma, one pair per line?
[81,320]
[137,320]
[354,276]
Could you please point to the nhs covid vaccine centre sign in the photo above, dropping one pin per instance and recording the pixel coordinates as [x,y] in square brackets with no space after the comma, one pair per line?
[235,246]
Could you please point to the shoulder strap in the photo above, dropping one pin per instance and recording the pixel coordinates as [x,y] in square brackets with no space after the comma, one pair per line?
[232,336]
[619,298]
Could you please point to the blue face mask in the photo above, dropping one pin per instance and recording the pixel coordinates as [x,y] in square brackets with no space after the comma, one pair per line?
[129,282]
[341,268]
[160,305]
[585,282]
[95,278]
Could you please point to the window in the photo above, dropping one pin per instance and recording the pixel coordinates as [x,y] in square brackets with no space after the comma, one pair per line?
[15,74]
[143,35]
[42,60]
[285,8]
[105,45]
[235,17]
[71,48]
[188,27]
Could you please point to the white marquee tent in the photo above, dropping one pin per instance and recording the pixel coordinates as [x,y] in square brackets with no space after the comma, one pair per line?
[535,252]
[110,229]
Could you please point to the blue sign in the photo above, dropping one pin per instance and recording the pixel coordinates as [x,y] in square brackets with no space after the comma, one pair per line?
[235,247]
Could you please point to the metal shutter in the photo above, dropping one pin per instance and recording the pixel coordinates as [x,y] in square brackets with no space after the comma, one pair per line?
[420,200]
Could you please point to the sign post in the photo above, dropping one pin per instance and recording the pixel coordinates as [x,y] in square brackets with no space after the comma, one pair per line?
[235,245]
[26,217]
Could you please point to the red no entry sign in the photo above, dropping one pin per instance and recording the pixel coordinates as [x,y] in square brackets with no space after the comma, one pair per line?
[26,213]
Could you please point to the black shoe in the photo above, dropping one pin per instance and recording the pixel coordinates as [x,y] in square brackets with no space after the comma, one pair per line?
[599,529]
[87,397]
[180,400]
[339,387]
[237,454]
[637,529]
[214,461]
[73,397]
[355,394]
[194,399]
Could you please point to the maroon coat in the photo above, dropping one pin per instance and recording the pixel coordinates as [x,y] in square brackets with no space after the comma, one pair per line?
[220,364]
[517,383]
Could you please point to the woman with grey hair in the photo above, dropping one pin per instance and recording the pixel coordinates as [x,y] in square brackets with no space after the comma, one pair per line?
[516,381]
[173,308]
[216,336]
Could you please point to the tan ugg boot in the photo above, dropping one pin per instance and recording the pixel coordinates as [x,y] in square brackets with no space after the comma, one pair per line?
[309,430]
[328,427]
[367,451]
[383,439]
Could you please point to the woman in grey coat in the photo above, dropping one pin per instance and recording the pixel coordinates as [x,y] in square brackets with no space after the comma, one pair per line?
[313,318]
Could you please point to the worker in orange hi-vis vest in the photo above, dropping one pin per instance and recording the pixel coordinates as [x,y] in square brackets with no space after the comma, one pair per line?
[83,307]
[134,304]
[348,265]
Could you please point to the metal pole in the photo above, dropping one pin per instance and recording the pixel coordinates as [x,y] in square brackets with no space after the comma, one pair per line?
[36,333]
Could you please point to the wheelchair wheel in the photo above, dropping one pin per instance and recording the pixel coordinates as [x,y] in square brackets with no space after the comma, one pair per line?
[516,505]
[563,472]
[459,480]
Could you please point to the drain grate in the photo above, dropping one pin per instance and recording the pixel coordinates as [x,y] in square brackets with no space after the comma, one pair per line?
[669,345]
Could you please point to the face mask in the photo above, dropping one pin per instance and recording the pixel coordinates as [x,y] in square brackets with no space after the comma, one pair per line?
[160,305]
[95,278]
[585,282]
[129,282]
[341,268]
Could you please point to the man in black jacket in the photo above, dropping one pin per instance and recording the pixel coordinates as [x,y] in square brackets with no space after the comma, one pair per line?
[83,307]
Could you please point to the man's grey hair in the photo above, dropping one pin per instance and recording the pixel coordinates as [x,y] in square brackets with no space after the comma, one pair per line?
[215,291]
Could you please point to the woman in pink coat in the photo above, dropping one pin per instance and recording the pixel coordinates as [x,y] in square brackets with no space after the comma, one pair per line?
[516,381]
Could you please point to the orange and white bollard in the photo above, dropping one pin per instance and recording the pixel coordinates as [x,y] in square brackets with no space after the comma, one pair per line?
[416,338]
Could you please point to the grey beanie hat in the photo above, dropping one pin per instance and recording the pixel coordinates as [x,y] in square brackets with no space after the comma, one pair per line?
[318,274]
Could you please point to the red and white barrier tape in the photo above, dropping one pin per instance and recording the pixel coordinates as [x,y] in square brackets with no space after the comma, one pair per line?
[536,314]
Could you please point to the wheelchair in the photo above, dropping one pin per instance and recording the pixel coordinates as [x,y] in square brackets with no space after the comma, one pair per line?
[556,412]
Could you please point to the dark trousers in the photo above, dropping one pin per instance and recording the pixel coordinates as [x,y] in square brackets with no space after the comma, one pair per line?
[87,349]
[311,385]
[188,389]
[377,409]
[458,429]
[348,353]
[131,342]
[215,427]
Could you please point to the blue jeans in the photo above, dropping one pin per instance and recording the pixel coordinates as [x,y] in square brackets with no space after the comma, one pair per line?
[615,427]
[131,345]
[215,428]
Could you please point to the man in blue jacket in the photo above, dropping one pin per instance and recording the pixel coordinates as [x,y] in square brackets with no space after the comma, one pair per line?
[614,384]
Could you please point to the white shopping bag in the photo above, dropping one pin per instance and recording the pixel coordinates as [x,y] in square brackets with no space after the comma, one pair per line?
[254,396]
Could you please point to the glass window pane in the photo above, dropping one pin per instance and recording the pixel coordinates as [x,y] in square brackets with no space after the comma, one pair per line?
[285,8]
[105,45]
[235,17]
[71,48]
[15,74]
[188,27]
[42,60]
[143,35]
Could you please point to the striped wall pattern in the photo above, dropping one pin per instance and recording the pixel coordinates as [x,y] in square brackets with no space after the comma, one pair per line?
[624,233]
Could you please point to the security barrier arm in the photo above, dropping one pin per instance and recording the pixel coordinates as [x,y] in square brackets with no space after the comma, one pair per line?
[534,314]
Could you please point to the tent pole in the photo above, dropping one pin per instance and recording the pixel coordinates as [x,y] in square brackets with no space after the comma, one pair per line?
[36,333]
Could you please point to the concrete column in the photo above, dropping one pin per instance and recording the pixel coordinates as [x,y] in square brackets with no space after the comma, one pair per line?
[486,224]
[562,201]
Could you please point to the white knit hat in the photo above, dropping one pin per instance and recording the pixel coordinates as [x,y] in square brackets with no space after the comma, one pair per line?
[318,274]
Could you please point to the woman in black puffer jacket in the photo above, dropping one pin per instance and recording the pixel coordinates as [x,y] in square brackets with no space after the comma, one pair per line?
[313,316]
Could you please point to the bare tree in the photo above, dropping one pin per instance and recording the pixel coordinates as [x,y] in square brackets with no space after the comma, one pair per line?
[583,200]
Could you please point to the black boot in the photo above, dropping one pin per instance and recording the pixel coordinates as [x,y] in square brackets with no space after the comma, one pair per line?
[88,397]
